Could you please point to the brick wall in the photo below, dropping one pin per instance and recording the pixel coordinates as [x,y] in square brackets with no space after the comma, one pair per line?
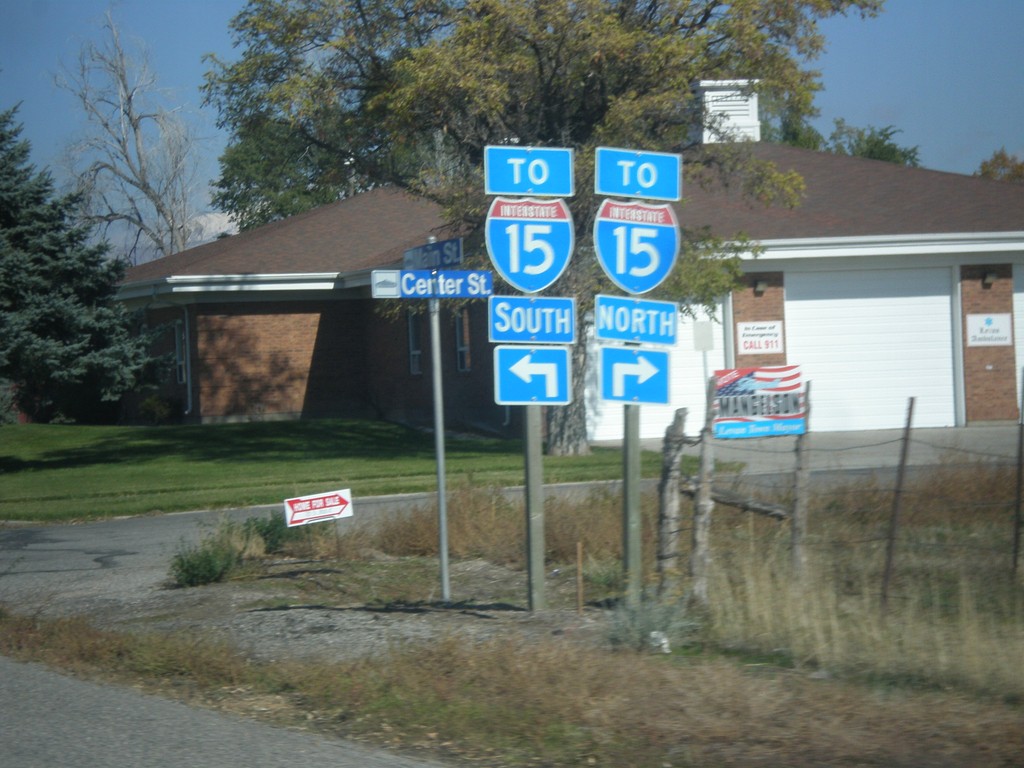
[989,371]
[750,304]
[335,358]
[253,361]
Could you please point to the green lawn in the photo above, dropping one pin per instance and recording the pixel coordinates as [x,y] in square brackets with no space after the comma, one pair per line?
[68,472]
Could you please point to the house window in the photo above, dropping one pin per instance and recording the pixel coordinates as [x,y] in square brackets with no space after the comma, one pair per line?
[462,356]
[415,345]
[180,347]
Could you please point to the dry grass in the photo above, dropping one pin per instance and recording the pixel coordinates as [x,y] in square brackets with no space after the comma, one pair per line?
[936,680]
[955,616]
[508,703]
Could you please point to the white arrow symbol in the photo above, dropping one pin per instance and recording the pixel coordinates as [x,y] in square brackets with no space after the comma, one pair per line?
[525,369]
[642,369]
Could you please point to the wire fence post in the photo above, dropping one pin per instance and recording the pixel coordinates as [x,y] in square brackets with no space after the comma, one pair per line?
[1014,566]
[704,504]
[801,488]
[894,518]
[668,506]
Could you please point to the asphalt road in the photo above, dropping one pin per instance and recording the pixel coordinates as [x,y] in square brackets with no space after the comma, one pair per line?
[49,720]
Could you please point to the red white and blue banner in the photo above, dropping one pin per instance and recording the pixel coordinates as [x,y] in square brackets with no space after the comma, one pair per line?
[759,402]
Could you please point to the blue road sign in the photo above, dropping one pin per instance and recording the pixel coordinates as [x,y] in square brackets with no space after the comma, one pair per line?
[529,241]
[443,254]
[634,375]
[532,319]
[635,320]
[636,243]
[532,375]
[528,171]
[629,173]
[429,284]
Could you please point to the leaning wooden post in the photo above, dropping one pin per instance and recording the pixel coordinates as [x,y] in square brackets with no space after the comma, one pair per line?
[1017,516]
[668,507]
[801,486]
[704,504]
[894,518]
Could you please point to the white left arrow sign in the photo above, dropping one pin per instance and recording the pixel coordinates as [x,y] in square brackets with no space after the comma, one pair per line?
[526,369]
[642,369]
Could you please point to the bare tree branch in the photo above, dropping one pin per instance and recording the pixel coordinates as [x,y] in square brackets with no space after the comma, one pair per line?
[137,164]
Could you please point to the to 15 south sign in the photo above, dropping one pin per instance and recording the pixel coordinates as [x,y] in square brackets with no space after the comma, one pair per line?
[636,243]
[529,241]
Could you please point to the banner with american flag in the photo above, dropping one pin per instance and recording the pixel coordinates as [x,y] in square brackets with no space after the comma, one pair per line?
[759,402]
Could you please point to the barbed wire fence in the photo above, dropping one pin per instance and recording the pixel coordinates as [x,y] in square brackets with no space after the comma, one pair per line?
[898,507]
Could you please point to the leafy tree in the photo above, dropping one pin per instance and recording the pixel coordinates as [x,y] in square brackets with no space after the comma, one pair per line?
[137,165]
[872,143]
[66,347]
[410,92]
[270,173]
[793,128]
[1002,166]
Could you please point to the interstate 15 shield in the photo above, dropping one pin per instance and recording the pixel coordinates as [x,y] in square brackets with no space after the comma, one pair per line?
[529,241]
[636,243]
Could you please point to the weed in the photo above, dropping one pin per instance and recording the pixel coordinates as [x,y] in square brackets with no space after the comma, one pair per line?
[205,563]
[652,626]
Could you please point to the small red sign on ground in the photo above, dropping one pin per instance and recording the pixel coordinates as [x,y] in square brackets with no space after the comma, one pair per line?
[318,507]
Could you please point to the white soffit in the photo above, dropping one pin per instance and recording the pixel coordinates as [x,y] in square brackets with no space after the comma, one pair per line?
[909,245]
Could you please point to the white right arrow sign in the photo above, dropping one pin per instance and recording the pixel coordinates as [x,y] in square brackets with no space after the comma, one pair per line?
[642,369]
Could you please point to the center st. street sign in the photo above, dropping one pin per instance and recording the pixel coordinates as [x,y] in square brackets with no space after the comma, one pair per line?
[428,284]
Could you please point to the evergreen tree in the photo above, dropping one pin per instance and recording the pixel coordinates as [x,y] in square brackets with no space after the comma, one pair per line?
[66,347]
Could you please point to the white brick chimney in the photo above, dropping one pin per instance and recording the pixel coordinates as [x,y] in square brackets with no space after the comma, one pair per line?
[730,111]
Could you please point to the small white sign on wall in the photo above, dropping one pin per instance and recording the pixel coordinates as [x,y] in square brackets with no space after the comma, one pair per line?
[989,330]
[760,338]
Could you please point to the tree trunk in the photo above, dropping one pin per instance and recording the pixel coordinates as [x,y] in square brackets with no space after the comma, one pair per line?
[567,424]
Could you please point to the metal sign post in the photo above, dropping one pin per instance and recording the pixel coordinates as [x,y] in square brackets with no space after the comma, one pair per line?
[442,495]
[636,245]
[530,242]
[434,284]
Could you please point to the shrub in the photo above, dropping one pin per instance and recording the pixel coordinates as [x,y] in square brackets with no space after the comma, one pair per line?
[652,625]
[206,563]
[273,531]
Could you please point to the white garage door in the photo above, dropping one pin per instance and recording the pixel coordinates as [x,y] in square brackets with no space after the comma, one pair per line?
[870,340]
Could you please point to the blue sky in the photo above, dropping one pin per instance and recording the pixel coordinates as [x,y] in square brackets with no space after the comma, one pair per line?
[948,73]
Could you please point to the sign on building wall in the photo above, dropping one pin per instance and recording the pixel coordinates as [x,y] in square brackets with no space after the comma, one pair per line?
[759,402]
[989,330]
[763,337]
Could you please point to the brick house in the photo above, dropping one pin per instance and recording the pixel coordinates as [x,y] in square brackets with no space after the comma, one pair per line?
[886,282]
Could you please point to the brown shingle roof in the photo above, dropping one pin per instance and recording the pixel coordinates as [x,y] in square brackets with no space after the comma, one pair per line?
[844,197]
[851,197]
[362,232]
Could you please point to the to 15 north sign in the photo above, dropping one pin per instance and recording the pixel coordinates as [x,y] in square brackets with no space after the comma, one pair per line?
[633,173]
